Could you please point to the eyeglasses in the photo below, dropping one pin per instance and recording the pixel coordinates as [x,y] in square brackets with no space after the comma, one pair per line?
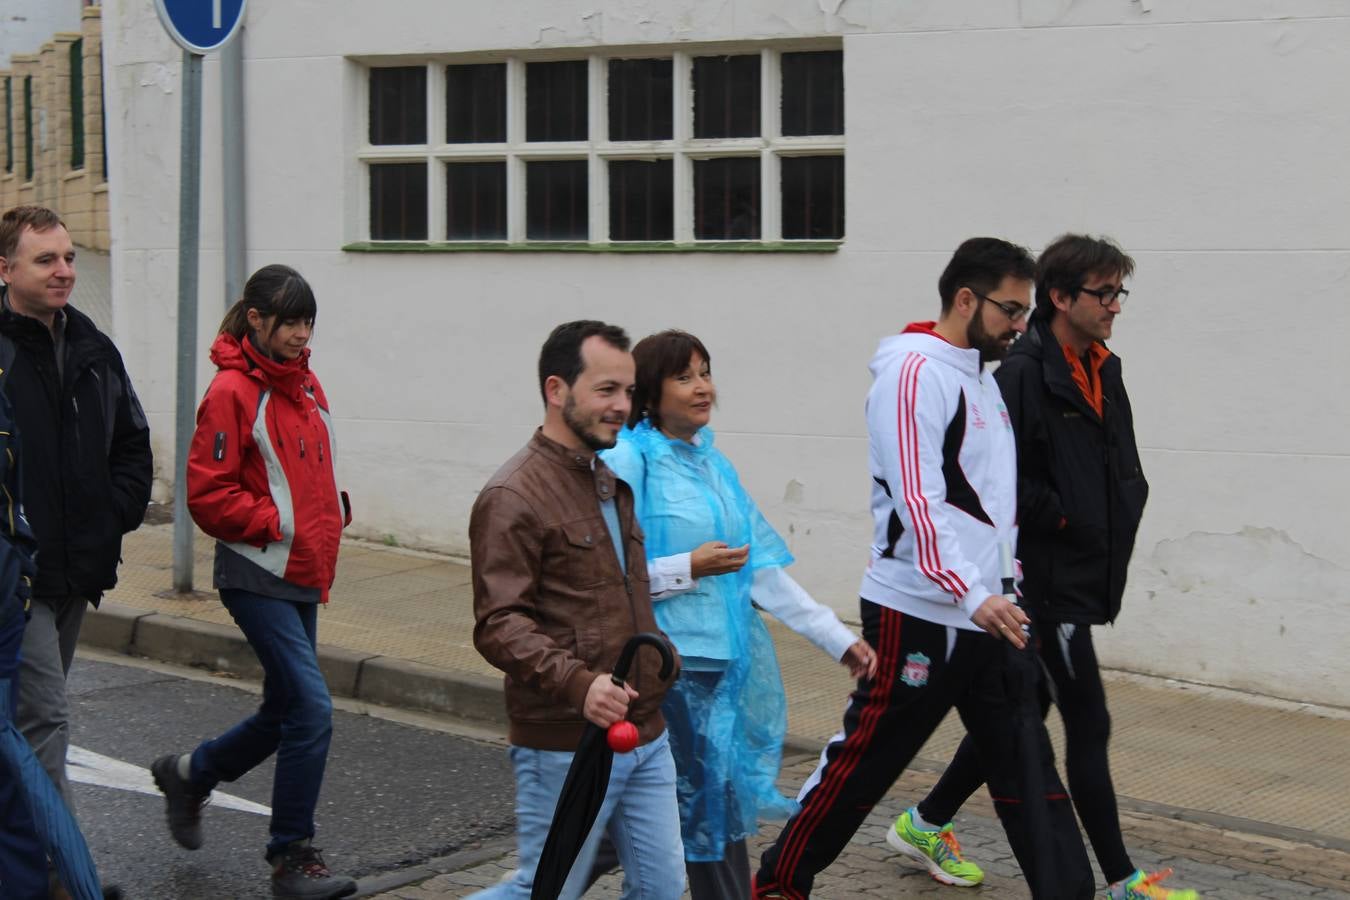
[1105,296]
[1014,311]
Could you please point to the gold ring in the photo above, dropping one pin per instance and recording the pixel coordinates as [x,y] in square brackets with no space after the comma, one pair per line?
[1003,627]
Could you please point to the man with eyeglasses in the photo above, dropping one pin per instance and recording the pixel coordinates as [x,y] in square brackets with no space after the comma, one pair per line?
[933,601]
[1080,496]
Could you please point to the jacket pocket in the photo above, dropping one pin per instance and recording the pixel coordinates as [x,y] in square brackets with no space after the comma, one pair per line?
[583,563]
[1133,494]
[1078,573]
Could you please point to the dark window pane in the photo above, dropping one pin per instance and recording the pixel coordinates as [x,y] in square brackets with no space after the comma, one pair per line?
[726,96]
[813,197]
[77,104]
[475,200]
[398,202]
[813,93]
[555,200]
[9,124]
[28,128]
[398,105]
[102,121]
[641,200]
[726,199]
[475,104]
[640,100]
[555,101]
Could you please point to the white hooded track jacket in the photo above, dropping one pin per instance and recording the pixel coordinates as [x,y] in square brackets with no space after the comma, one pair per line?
[944,479]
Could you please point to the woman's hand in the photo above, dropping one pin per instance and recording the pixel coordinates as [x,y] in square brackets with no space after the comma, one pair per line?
[860,660]
[716,558]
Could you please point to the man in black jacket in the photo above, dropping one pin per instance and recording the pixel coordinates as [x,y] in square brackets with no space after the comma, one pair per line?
[87,469]
[1080,496]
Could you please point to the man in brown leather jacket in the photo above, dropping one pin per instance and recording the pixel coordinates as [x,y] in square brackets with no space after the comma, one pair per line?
[560,584]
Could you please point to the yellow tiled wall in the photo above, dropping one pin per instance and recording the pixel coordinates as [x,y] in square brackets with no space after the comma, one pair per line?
[79,195]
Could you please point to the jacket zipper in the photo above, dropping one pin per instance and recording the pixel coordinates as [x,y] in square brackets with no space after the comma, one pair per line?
[1110,501]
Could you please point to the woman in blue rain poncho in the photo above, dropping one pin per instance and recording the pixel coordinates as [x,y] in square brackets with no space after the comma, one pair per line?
[711,553]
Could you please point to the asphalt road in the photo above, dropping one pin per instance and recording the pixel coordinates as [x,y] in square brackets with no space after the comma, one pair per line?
[395,795]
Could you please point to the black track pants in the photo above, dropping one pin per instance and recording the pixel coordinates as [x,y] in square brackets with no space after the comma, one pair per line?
[888,720]
[1087,730]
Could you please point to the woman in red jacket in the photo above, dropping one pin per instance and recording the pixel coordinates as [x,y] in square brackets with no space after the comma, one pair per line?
[261,482]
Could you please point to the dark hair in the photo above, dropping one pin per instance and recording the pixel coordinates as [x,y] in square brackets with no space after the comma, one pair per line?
[659,356]
[12,224]
[1072,259]
[274,290]
[981,264]
[561,353]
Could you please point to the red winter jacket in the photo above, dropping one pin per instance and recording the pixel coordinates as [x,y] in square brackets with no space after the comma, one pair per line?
[260,475]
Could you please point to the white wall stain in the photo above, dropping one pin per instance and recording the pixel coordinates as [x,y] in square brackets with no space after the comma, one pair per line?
[161,76]
[1251,609]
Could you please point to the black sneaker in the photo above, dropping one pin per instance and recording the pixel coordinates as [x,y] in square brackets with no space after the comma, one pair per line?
[57,891]
[299,872]
[183,800]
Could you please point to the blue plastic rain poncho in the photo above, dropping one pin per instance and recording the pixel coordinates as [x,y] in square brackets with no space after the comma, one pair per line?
[727,713]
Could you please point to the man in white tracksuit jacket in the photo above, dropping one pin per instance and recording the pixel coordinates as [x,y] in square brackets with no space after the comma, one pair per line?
[944,485]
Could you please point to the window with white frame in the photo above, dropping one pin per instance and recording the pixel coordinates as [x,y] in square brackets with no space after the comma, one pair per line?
[671,147]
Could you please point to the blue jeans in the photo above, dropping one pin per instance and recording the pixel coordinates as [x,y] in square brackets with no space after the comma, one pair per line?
[23,859]
[295,720]
[639,815]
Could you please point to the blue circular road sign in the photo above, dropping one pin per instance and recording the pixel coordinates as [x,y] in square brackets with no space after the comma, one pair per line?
[201,26]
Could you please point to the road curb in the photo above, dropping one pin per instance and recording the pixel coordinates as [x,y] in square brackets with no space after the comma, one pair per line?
[403,684]
[371,678]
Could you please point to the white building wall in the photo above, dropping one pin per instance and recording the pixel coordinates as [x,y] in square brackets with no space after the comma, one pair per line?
[1207,137]
[25,25]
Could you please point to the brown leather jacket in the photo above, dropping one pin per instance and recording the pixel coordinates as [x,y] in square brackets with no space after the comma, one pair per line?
[553,608]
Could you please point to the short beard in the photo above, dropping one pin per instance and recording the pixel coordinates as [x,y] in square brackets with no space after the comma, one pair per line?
[991,349]
[578,428]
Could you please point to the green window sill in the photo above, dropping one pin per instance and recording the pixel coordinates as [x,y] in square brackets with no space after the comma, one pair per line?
[585,247]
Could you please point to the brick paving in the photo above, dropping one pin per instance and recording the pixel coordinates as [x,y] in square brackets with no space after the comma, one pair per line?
[1219,863]
[1242,802]
[93,287]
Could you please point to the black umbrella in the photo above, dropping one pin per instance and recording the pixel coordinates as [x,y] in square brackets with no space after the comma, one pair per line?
[1056,864]
[583,792]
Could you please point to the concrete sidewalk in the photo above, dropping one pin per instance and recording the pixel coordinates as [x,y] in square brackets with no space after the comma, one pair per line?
[399,632]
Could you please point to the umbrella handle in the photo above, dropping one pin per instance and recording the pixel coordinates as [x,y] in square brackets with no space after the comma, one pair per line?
[1005,559]
[630,649]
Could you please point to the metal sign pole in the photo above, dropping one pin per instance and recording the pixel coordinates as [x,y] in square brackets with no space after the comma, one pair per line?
[189,214]
[232,164]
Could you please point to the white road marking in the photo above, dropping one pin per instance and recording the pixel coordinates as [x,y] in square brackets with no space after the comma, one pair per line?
[88,767]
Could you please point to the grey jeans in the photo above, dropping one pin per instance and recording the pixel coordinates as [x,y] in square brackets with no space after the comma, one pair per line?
[45,658]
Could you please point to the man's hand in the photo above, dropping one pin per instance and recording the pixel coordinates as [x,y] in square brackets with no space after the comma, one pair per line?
[607,702]
[1003,619]
[716,558]
[860,660]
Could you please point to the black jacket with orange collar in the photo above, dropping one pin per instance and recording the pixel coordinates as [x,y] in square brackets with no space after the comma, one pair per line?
[1080,486]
